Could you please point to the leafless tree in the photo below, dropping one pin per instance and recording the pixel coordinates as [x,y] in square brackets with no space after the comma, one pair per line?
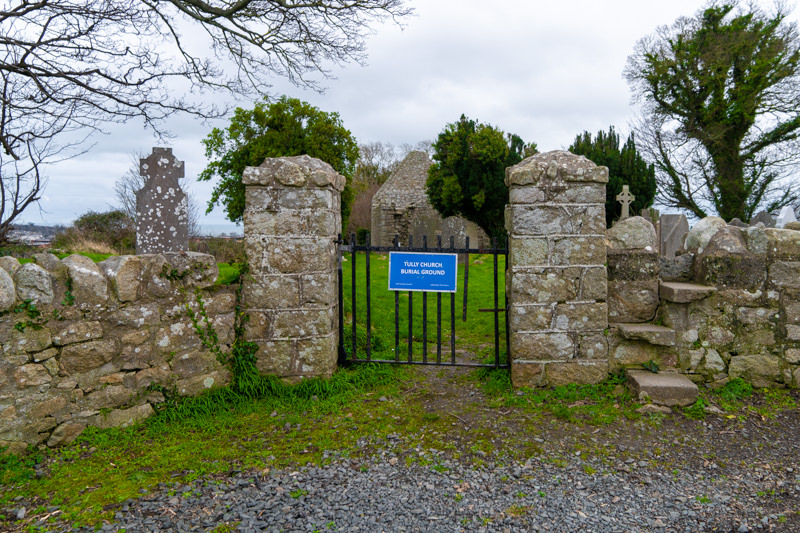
[131,182]
[67,67]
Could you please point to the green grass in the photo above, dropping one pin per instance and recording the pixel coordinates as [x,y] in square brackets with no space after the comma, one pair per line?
[476,331]
[210,434]
[228,273]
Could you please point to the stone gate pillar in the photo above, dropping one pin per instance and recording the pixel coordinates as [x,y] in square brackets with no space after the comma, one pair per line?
[291,222]
[557,279]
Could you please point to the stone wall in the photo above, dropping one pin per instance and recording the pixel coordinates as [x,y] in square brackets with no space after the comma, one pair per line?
[727,306]
[106,338]
[556,281]
[291,223]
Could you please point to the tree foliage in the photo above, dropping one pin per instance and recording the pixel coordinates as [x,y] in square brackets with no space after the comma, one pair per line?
[467,177]
[286,127]
[69,67]
[625,167]
[721,95]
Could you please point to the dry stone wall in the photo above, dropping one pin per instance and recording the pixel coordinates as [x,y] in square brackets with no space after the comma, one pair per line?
[85,344]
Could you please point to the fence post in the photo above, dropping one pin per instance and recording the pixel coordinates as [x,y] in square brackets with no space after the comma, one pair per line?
[291,223]
[557,279]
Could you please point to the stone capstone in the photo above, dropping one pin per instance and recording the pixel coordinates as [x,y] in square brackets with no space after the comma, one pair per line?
[124,274]
[194,269]
[9,264]
[554,169]
[698,237]
[89,284]
[679,292]
[8,293]
[632,233]
[297,171]
[34,283]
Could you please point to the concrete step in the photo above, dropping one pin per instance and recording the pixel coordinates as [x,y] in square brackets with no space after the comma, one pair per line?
[657,335]
[682,293]
[665,388]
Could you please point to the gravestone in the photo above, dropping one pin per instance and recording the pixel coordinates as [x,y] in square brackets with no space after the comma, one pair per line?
[673,233]
[786,215]
[765,218]
[424,226]
[626,199]
[162,215]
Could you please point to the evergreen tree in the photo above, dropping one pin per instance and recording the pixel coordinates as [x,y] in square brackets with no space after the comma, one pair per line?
[625,167]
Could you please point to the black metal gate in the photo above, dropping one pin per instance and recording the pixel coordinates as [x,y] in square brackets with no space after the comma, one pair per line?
[440,355]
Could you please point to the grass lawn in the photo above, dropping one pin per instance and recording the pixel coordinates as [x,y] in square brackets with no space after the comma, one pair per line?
[476,333]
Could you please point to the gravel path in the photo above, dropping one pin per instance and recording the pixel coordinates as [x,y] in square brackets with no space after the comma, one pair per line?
[434,494]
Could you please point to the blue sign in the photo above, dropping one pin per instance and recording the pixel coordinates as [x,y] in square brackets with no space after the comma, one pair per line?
[416,271]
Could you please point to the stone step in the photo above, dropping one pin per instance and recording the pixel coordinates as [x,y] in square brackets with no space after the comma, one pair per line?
[683,293]
[657,335]
[665,388]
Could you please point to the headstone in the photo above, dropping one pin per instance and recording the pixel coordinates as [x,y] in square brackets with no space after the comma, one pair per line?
[626,199]
[673,233]
[424,226]
[765,218]
[786,215]
[457,228]
[162,217]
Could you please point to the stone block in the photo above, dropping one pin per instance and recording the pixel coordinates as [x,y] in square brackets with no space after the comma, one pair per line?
[137,316]
[546,220]
[592,346]
[267,199]
[665,388]
[583,373]
[153,280]
[196,385]
[632,233]
[650,333]
[124,275]
[8,293]
[762,370]
[700,234]
[575,193]
[85,356]
[567,251]
[277,255]
[679,292]
[78,332]
[317,356]
[9,264]
[531,317]
[526,375]
[632,301]
[554,168]
[542,346]
[319,289]
[594,284]
[194,363]
[139,381]
[528,251]
[303,323]
[65,433]
[276,356]
[545,285]
[627,353]
[273,292]
[731,271]
[294,221]
[89,284]
[678,268]
[32,375]
[124,417]
[107,397]
[194,269]
[783,244]
[31,340]
[782,275]
[34,283]
[176,337]
[581,316]
[632,265]
[220,303]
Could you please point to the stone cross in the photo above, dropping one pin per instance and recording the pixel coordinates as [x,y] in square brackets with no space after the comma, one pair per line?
[162,215]
[625,198]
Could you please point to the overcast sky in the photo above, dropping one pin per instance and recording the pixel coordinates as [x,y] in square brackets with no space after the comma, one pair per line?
[545,71]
